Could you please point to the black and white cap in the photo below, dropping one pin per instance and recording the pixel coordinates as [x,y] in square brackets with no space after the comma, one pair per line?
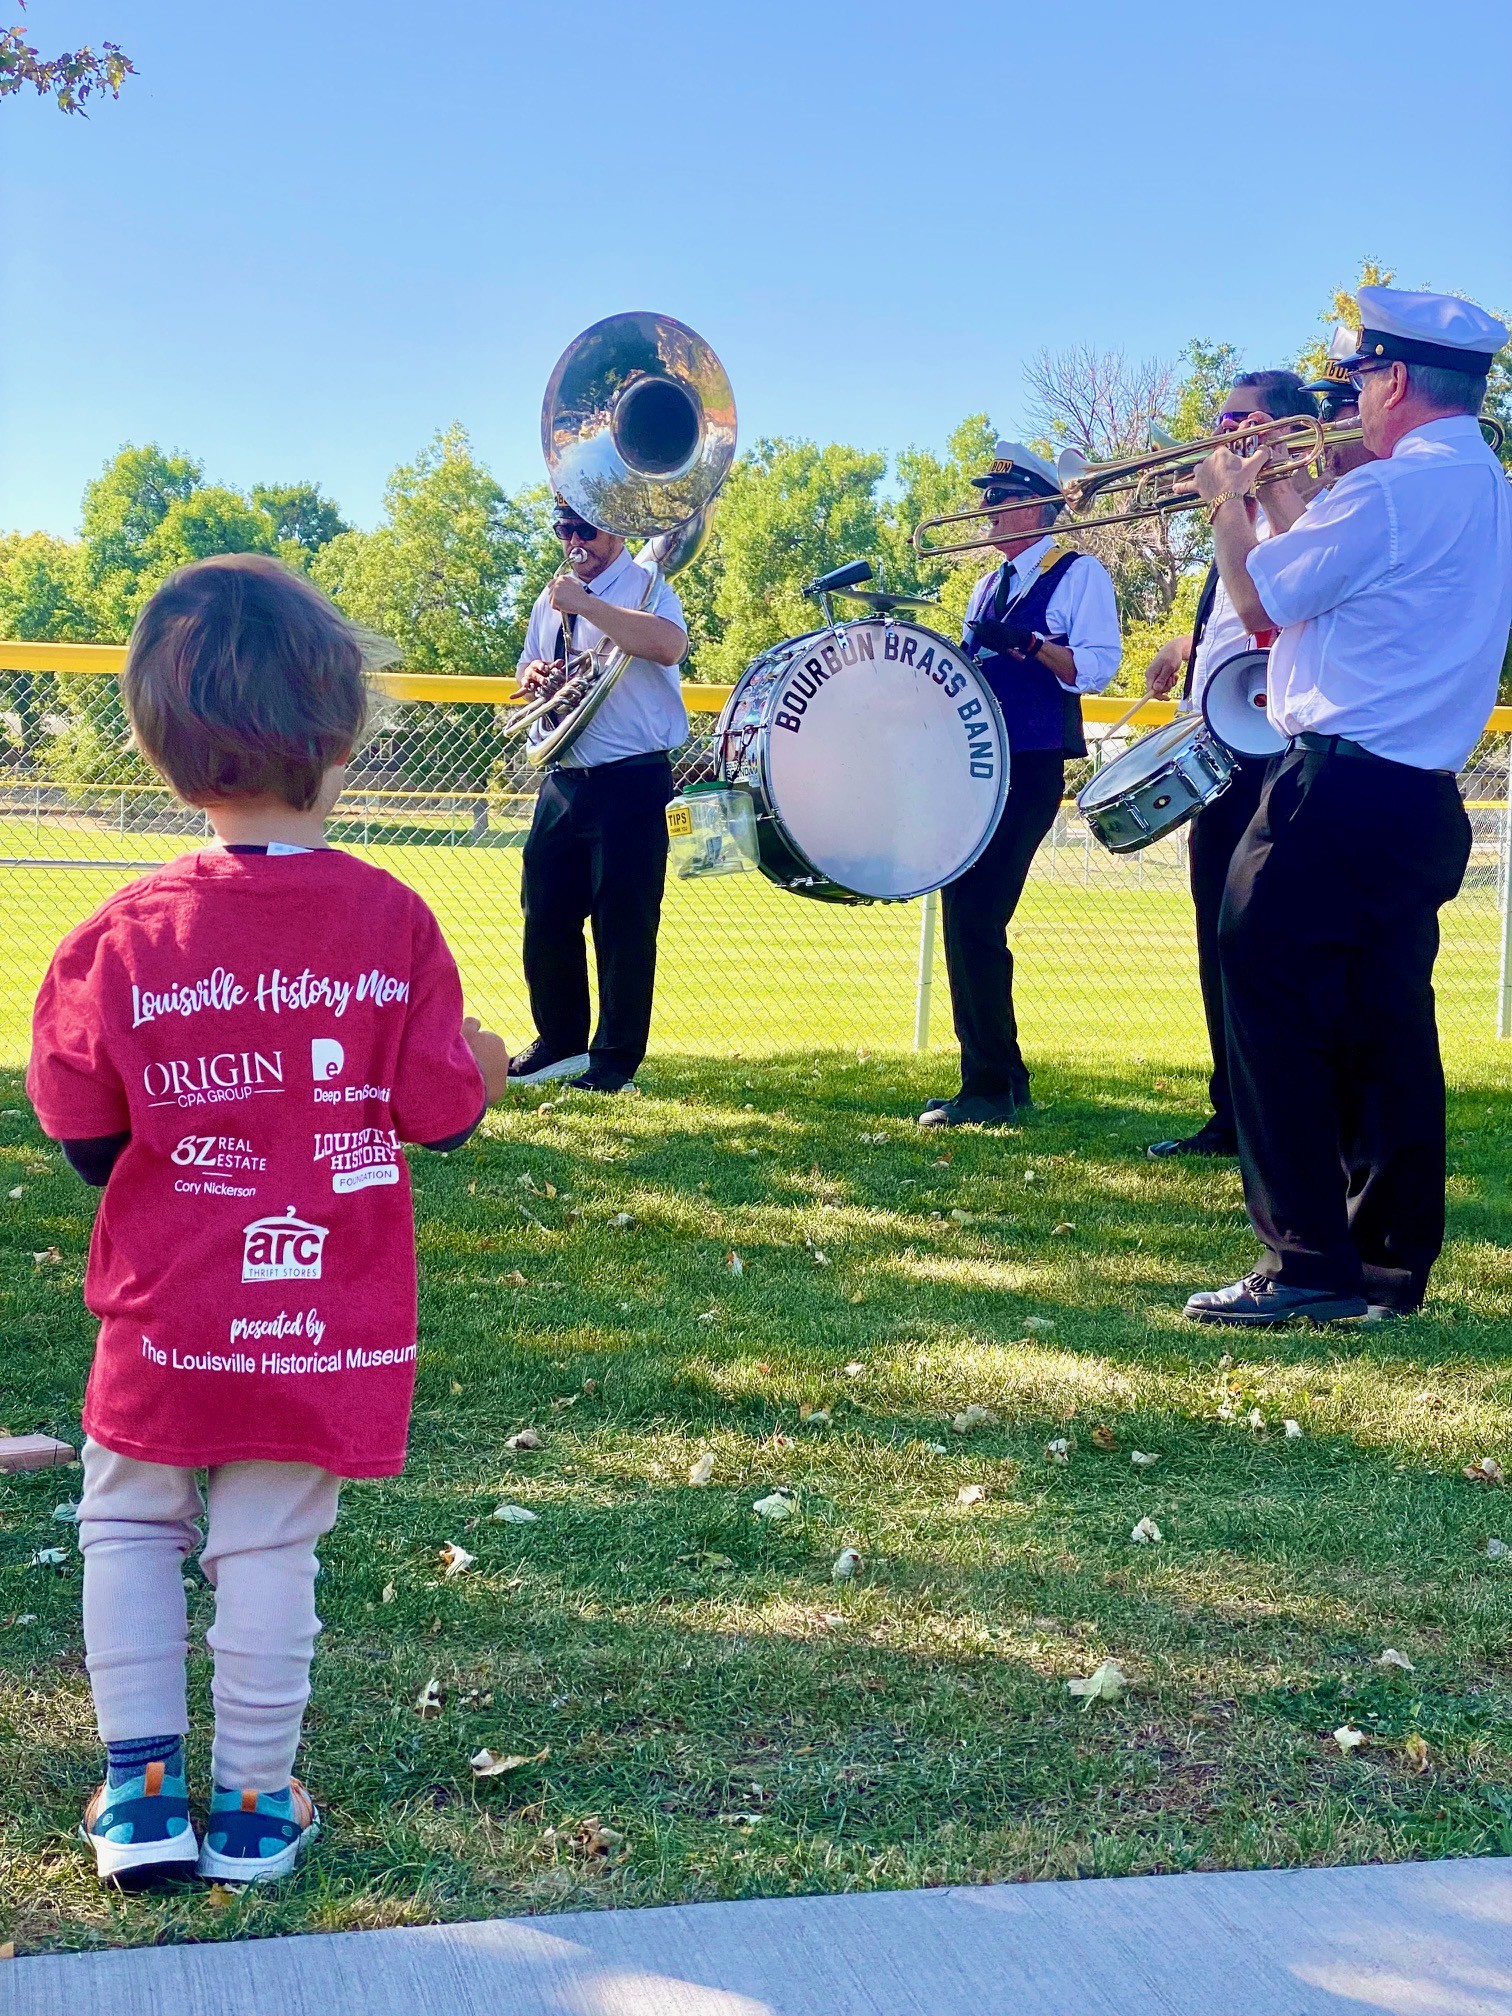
[1018,471]
[1335,388]
[1440,329]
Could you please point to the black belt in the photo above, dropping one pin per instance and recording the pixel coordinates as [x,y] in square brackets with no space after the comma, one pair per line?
[1340,745]
[619,763]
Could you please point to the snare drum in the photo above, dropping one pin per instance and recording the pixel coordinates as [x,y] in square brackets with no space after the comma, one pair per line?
[1156,786]
[877,757]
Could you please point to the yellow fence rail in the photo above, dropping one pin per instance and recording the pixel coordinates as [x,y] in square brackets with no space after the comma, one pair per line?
[1104,944]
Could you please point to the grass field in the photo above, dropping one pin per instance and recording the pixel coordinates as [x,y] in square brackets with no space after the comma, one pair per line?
[691,1678]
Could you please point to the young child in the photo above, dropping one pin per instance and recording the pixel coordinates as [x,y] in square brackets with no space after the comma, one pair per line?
[235,1047]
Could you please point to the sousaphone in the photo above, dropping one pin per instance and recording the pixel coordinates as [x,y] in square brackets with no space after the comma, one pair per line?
[638,432]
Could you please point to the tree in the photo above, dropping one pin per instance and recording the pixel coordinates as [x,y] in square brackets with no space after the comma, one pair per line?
[789,511]
[123,508]
[929,486]
[301,517]
[1101,403]
[41,596]
[72,78]
[449,577]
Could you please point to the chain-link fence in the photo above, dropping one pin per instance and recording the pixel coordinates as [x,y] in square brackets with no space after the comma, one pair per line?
[441,796]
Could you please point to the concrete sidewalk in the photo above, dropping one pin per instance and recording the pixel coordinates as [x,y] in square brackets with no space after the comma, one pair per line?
[1430,1939]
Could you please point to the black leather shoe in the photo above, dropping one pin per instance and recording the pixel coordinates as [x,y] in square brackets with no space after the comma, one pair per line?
[1259,1299]
[599,1080]
[536,1064]
[974,1111]
[1206,1141]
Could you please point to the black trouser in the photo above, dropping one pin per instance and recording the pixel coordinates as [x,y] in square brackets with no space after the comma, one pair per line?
[1216,832]
[977,910]
[597,850]
[1328,938]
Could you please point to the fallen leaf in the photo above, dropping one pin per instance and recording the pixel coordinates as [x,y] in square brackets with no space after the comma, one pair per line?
[590,1387]
[513,1515]
[563,1401]
[973,1417]
[622,1221]
[1039,1324]
[430,1700]
[1255,1419]
[1146,1534]
[19,1191]
[526,1439]
[705,1557]
[1293,1430]
[780,1441]
[778,1504]
[219,1898]
[456,1388]
[478,1697]
[551,1190]
[873,1140]
[762,1366]
[489,1764]
[8,1949]
[1417,1752]
[702,1470]
[847,1561]
[594,1838]
[855,1369]
[819,1259]
[23,1617]
[962,1218]
[1348,1738]
[51,1257]
[389,1592]
[1497,1550]
[937,1448]
[1390,1657]
[942,1162]
[1031,1176]
[1059,1231]
[456,1560]
[515,1278]
[1104,1438]
[1484,1470]
[735,1264]
[1225,1363]
[970,1494]
[1058,1451]
[1106,1684]
[1144,1459]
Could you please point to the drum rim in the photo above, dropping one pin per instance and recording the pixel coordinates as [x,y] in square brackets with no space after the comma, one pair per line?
[1195,726]
[769,800]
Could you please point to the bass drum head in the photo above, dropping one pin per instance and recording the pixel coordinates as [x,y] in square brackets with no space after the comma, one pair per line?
[884,758]
[1234,706]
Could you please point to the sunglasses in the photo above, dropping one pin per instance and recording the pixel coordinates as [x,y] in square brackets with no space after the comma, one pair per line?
[992,498]
[566,528]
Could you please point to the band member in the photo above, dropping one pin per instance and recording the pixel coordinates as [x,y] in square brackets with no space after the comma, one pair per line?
[1393,596]
[597,849]
[1216,635]
[1044,629]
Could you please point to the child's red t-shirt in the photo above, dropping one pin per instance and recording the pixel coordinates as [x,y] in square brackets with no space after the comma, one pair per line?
[269,1028]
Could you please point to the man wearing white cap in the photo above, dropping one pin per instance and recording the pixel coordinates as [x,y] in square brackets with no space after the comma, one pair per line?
[1393,596]
[1043,627]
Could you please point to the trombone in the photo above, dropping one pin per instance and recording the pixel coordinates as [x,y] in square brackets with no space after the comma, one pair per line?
[1150,485]
[1158,483]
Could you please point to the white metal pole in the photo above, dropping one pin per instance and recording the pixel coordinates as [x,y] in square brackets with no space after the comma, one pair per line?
[925,985]
[1504,891]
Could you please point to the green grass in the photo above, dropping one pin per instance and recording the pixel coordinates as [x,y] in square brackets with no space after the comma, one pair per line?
[910,1726]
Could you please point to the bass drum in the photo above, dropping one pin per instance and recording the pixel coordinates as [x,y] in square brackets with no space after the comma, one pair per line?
[877,757]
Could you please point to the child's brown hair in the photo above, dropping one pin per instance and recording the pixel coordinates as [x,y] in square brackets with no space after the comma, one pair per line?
[242,680]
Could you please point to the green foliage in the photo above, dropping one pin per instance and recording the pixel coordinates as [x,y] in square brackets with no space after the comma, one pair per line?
[42,596]
[1211,370]
[71,79]
[123,509]
[303,519]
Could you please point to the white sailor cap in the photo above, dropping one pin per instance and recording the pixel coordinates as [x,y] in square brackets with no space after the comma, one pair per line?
[1016,468]
[1440,329]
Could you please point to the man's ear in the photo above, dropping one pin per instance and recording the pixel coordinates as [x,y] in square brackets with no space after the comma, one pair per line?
[1398,388]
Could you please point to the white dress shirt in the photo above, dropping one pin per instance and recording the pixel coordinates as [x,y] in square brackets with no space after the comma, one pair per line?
[1393,591]
[644,711]
[1082,612]
[1223,636]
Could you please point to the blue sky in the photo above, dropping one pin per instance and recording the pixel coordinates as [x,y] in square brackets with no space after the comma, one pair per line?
[311,234]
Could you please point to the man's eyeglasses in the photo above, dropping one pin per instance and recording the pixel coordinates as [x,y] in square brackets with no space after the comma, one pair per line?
[567,528]
[1360,372]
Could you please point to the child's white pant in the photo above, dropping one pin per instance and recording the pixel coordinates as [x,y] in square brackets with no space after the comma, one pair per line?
[137,1522]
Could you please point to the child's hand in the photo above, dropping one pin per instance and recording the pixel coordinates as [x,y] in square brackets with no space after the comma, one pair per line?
[491,1056]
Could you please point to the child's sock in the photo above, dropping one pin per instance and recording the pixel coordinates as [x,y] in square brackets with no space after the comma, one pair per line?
[130,1759]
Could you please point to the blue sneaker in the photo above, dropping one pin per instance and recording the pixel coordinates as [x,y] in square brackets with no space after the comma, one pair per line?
[254,1837]
[139,1829]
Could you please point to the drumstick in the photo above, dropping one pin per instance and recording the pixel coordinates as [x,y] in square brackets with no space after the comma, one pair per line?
[1129,713]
